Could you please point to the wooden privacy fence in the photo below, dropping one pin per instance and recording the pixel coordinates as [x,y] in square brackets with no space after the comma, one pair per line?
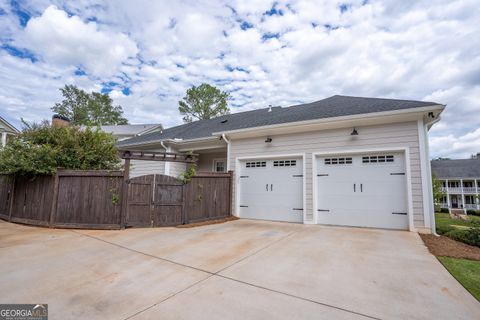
[108,200]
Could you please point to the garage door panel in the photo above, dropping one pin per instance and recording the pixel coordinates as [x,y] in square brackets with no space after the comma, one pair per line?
[364,192]
[272,191]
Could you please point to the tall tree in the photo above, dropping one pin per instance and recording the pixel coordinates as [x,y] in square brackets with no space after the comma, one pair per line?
[83,108]
[203,102]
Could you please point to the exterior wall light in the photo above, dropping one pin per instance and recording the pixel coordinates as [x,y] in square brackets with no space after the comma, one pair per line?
[268,140]
[354,132]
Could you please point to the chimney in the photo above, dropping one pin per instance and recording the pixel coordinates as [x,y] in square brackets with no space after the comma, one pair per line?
[59,121]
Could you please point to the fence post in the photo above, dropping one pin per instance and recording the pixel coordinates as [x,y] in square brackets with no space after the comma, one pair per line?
[12,198]
[184,212]
[230,204]
[126,176]
[53,210]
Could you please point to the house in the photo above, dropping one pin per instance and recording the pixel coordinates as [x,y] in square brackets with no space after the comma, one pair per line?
[460,179]
[7,131]
[343,160]
[127,131]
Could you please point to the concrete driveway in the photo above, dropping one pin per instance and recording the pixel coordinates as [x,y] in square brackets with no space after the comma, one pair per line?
[236,270]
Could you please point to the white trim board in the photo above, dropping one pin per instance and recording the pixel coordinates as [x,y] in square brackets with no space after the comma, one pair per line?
[406,152]
[271,156]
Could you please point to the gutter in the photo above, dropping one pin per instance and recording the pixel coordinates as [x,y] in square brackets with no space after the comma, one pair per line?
[228,150]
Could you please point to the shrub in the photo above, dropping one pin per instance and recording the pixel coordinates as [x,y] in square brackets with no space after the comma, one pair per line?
[444,229]
[471,211]
[41,149]
[444,210]
[475,213]
[469,236]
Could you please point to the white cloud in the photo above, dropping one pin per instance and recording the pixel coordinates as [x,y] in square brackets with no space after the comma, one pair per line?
[64,40]
[307,51]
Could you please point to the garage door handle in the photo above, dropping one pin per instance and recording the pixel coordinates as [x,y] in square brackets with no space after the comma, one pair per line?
[361,187]
[266,187]
[271,187]
[354,187]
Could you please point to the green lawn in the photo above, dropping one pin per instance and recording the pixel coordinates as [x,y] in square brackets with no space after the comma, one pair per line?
[467,272]
[443,219]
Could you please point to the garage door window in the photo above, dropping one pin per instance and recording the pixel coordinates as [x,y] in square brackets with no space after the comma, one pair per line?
[336,161]
[378,159]
[284,163]
[256,164]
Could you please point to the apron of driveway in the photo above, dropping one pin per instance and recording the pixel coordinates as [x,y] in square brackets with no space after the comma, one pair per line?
[236,270]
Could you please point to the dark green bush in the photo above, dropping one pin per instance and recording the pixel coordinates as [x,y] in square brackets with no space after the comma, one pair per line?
[475,213]
[444,229]
[471,211]
[41,149]
[469,236]
[444,210]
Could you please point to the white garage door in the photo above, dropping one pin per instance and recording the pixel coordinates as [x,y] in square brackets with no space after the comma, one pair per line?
[367,190]
[272,189]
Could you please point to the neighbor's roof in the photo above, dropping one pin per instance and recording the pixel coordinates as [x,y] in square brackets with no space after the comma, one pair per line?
[459,168]
[130,129]
[8,125]
[335,106]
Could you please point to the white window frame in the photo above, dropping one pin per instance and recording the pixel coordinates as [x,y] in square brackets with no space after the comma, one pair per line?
[214,164]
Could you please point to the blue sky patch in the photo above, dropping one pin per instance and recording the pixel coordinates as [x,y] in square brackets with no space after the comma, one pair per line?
[329,27]
[181,66]
[20,53]
[344,7]
[172,23]
[269,35]
[246,25]
[22,14]
[80,72]
[274,11]
[2,12]
[126,91]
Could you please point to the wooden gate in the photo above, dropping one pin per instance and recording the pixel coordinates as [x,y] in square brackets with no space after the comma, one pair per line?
[154,201]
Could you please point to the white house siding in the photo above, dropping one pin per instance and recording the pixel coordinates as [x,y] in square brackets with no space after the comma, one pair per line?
[205,161]
[176,168]
[389,136]
[144,167]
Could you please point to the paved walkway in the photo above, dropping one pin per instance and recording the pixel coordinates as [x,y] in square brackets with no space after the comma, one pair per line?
[236,270]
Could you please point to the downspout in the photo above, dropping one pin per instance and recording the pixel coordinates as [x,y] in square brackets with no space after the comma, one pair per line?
[429,174]
[224,137]
[167,163]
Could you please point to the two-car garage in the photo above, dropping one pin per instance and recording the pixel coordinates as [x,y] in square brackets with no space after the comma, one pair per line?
[362,189]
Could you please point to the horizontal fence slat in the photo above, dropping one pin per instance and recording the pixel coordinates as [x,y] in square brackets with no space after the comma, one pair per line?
[89,173]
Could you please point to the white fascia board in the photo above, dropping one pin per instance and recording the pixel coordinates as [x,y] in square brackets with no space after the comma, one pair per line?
[333,122]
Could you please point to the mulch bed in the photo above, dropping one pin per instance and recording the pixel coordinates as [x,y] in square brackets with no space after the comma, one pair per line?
[206,223]
[446,247]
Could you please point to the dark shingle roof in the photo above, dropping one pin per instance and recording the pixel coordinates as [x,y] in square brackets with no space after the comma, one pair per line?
[335,106]
[461,168]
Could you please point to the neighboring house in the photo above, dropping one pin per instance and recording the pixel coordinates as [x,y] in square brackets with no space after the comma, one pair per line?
[127,131]
[460,180]
[6,131]
[341,161]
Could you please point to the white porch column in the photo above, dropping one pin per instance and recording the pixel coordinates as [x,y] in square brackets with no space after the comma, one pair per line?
[448,194]
[477,199]
[4,139]
[463,196]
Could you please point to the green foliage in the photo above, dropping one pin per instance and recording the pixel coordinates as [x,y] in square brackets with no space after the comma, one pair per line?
[466,231]
[83,108]
[41,149]
[437,190]
[467,272]
[187,175]
[203,102]
[444,210]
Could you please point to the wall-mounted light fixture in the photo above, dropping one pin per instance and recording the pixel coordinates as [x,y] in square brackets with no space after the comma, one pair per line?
[268,140]
[354,132]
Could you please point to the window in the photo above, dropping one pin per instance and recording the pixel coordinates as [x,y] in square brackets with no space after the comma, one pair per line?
[219,165]
[378,159]
[336,161]
[256,164]
[284,163]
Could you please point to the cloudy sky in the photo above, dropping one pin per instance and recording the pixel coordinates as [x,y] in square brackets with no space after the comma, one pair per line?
[145,54]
